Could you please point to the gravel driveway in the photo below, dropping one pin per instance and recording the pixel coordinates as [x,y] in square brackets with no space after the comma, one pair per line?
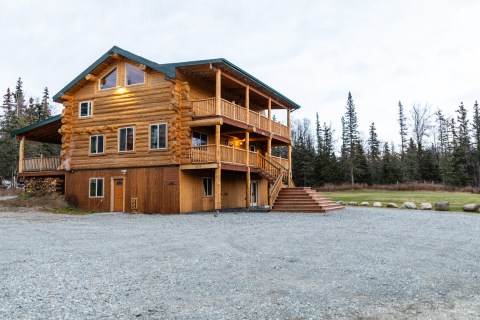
[357,263]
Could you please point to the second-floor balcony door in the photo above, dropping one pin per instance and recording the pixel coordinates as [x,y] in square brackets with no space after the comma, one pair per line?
[254,193]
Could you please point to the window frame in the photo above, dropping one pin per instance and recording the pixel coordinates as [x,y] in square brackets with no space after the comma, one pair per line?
[106,73]
[90,145]
[205,192]
[133,142]
[90,109]
[96,188]
[126,75]
[201,133]
[150,136]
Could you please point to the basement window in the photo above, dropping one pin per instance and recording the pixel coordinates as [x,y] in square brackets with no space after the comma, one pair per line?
[85,109]
[109,80]
[96,144]
[208,187]
[134,75]
[96,188]
[158,136]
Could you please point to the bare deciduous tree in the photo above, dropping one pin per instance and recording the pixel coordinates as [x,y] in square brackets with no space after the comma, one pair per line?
[420,122]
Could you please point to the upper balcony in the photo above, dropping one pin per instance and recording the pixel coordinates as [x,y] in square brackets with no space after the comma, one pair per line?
[207,107]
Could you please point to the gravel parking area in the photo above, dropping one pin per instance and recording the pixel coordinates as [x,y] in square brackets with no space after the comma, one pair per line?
[357,263]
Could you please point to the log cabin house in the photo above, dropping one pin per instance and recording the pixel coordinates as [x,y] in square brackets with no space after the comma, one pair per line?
[138,136]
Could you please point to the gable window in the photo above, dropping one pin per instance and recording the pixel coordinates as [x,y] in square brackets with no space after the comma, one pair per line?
[96,188]
[199,139]
[134,75]
[125,139]
[109,80]
[158,136]
[207,187]
[96,144]
[85,109]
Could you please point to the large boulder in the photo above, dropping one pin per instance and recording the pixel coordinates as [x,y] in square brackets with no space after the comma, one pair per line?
[392,205]
[409,205]
[425,206]
[365,204]
[341,203]
[442,206]
[377,204]
[352,203]
[472,207]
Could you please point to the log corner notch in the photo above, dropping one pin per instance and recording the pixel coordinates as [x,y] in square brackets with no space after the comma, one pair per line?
[91,77]
[116,56]
[143,67]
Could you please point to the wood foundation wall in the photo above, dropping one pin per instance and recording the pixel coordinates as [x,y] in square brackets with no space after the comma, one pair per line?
[153,190]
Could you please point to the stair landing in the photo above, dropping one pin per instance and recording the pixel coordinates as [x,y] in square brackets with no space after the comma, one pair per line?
[303,200]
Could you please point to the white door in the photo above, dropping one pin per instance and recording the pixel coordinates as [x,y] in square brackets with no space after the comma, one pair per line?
[254,193]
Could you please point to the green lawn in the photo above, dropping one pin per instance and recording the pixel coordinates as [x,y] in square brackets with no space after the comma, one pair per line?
[456,199]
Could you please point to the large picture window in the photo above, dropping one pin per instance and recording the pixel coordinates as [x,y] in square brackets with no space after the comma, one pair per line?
[134,75]
[125,139]
[109,80]
[199,139]
[207,187]
[158,136]
[85,109]
[96,144]
[96,188]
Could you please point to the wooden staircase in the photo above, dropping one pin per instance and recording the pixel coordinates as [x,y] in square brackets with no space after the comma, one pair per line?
[303,200]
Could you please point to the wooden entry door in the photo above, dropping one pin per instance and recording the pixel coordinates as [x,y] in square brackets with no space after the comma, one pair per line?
[118,195]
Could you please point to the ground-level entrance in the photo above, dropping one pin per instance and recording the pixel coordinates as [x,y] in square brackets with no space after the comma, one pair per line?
[118,195]
[254,193]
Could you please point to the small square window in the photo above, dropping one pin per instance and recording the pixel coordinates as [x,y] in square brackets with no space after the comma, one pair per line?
[199,139]
[96,188]
[109,80]
[125,139]
[96,144]
[208,187]
[134,75]
[85,109]
[158,136]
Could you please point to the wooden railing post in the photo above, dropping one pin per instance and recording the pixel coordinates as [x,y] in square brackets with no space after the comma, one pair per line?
[247,106]
[21,154]
[218,92]
[41,162]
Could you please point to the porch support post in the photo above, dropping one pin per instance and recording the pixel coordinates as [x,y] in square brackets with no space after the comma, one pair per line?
[218,91]
[289,147]
[247,104]
[269,142]
[218,170]
[247,180]
[21,154]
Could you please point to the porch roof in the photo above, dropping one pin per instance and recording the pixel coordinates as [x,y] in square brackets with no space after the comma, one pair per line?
[42,131]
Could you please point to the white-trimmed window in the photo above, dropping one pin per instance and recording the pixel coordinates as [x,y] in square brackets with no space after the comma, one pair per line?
[133,75]
[158,136]
[109,80]
[126,139]
[199,139]
[96,188]
[85,109]
[207,186]
[97,144]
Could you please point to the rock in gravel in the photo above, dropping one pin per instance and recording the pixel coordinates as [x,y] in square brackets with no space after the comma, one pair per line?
[392,205]
[365,204]
[377,204]
[409,205]
[472,207]
[425,206]
[340,203]
[442,206]
[352,203]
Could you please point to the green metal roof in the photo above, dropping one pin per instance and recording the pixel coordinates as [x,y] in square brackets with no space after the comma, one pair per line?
[35,125]
[169,69]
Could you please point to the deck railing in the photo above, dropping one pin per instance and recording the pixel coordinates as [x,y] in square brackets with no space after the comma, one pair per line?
[41,164]
[202,154]
[207,107]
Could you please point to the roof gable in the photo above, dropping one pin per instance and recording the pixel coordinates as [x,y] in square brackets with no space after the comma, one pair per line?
[170,69]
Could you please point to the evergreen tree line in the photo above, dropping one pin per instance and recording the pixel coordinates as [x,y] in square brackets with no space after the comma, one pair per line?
[17,111]
[434,148]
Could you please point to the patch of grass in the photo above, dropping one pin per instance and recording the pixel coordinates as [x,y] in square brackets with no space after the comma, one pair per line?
[457,199]
[69,210]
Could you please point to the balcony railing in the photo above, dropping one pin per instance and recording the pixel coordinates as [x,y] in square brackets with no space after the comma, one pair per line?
[41,164]
[206,107]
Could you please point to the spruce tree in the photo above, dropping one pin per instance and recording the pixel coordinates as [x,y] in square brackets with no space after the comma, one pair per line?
[351,127]
[374,153]
[402,121]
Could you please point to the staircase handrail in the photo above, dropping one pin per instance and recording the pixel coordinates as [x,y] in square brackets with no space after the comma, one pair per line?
[275,190]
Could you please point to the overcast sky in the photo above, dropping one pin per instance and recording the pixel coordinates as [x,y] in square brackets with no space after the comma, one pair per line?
[313,52]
